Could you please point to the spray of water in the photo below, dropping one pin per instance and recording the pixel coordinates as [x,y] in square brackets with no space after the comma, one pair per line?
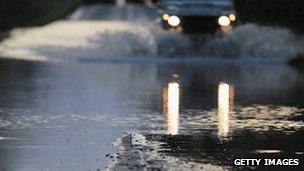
[147,39]
[255,41]
[245,41]
[134,32]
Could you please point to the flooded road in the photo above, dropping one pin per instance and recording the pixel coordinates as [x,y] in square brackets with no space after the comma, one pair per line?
[107,97]
[66,116]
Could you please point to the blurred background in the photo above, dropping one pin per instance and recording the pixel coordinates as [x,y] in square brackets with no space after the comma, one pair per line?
[16,13]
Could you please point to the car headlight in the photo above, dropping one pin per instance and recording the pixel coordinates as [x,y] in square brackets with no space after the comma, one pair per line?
[224,21]
[232,17]
[166,17]
[174,21]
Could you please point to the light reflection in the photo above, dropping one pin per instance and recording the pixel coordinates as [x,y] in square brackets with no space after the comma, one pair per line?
[225,105]
[226,29]
[171,97]
[268,151]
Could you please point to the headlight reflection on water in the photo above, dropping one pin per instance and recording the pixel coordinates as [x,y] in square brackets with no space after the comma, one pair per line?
[254,117]
[225,104]
[171,102]
[171,97]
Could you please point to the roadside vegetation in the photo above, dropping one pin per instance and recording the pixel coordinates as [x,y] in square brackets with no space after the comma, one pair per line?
[297,62]
[20,13]
[282,13]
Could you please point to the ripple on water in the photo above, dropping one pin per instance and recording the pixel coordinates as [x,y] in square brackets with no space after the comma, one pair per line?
[199,144]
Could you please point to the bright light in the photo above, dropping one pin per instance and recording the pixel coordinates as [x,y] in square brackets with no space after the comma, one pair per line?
[232,17]
[224,21]
[171,104]
[225,102]
[166,17]
[223,97]
[174,21]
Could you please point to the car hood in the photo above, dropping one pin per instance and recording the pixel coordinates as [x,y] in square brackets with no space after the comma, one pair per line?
[196,7]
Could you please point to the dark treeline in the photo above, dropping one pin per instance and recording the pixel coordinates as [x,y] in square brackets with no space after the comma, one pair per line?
[16,13]
[283,13]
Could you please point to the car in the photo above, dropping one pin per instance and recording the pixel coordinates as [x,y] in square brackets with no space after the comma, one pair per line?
[197,15]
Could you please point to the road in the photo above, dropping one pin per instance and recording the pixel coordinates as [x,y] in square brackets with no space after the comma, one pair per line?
[94,93]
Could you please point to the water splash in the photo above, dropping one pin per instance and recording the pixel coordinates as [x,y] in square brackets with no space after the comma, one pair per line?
[256,41]
[246,41]
[84,36]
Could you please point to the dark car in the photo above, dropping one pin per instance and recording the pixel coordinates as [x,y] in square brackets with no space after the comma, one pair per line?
[197,15]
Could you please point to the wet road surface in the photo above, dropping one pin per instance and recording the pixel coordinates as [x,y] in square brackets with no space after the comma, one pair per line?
[66,116]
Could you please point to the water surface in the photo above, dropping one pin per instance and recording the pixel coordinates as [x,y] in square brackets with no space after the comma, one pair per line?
[66,116]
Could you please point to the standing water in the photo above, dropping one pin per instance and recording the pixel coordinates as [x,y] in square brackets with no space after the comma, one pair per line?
[105,97]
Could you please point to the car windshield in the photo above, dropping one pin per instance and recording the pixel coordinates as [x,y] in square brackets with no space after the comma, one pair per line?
[195,1]
[186,3]
[183,2]
[196,7]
